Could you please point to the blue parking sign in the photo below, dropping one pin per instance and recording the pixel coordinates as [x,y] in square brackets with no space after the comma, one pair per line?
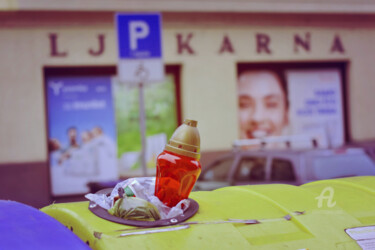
[139,36]
[139,48]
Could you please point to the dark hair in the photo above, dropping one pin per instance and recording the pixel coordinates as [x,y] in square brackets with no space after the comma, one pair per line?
[52,145]
[283,84]
[279,74]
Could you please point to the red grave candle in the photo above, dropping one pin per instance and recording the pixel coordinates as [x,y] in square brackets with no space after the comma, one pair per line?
[178,166]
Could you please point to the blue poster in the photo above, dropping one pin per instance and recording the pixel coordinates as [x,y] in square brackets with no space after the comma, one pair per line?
[81,133]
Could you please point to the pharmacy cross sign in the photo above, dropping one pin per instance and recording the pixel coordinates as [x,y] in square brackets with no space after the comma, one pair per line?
[139,48]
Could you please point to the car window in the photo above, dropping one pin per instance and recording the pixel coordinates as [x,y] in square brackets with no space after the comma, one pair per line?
[343,165]
[219,170]
[251,168]
[282,170]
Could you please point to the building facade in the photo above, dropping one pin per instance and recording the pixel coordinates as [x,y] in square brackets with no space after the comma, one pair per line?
[204,45]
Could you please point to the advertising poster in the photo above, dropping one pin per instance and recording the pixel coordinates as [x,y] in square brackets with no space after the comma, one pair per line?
[315,105]
[161,121]
[82,133]
[284,104]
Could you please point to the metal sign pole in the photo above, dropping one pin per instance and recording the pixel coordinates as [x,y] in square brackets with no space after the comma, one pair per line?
[142,125]
[140,59]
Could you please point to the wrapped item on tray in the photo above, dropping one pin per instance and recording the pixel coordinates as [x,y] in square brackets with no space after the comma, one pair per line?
[134,199]
[132,208]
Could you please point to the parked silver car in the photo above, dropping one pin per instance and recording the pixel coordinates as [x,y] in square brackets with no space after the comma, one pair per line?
[284,166]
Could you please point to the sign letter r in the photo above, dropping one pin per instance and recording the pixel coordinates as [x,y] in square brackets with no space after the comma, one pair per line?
[137,30]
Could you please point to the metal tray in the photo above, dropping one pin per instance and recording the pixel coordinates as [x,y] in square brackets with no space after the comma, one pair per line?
[102,213]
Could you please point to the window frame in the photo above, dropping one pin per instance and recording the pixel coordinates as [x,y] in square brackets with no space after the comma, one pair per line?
[96,70]
[341,65]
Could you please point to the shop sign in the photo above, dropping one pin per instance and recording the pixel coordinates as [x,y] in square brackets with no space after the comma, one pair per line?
[134,44]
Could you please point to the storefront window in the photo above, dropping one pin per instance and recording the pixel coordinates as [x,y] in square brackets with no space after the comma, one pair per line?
[93,125]
[286,99]
[161,121]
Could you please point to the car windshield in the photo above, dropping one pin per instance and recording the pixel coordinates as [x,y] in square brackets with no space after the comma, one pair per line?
[219,170]
[251,168]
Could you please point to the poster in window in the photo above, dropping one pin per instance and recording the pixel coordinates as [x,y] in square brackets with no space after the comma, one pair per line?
[315,104]
[82,133]
[280,102]
[93,127]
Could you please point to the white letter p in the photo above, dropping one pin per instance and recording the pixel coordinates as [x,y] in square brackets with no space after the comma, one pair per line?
[138,30]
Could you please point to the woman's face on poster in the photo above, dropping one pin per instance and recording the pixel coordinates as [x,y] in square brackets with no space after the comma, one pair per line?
[262,105]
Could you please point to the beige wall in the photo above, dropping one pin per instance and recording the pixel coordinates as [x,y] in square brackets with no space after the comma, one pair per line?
[208,78]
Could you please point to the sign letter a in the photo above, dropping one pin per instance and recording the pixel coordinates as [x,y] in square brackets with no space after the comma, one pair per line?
[137,30]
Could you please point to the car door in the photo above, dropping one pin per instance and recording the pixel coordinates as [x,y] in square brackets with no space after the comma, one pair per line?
[283,171]
[340,164]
